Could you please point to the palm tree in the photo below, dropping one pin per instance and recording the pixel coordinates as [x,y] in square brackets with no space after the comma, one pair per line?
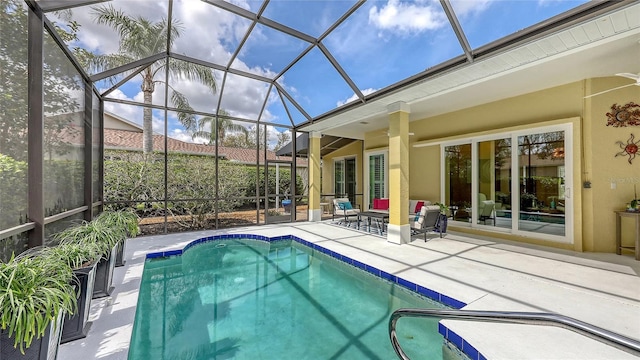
[141,38]
[225,125]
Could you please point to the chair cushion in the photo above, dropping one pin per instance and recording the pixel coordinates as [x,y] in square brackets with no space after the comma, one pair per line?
[381,204]
[345,205]
[351,212]
[419,206]
[414,208]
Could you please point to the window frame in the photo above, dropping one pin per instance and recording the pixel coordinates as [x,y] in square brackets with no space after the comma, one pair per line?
[367,155]
[569,165]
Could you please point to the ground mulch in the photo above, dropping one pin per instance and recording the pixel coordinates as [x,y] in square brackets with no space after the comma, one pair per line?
[175,224]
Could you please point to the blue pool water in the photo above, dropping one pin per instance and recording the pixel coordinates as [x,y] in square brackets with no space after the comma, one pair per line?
[249,299]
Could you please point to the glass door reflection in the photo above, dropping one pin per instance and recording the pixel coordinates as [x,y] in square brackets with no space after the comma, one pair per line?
[494,183]
[541,167]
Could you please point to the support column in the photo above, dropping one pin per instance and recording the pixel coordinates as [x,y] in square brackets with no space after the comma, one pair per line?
[35,212]
[315,213]
[399,230]
[88,150]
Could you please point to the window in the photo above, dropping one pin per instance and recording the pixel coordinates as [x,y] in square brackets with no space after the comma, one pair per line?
[345,178]
[457,170]
[492,183]
[376,177]
[338,178]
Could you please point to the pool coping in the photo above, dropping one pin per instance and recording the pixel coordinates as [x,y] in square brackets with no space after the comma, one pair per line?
[449,335]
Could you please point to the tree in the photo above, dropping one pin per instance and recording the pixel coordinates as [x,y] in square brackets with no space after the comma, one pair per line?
[141,38]
[283,139]
[225,125]
[59,83]
[248,140]
[61,86]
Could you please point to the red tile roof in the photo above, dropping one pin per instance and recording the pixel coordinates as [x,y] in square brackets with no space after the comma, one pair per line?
[132,140]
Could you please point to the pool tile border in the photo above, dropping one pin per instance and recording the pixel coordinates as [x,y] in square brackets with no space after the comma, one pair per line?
[447,333]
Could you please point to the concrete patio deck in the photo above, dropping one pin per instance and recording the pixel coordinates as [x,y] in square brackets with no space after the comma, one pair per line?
[487,274]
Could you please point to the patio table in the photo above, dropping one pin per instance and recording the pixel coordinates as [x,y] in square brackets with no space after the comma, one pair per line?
[381,218]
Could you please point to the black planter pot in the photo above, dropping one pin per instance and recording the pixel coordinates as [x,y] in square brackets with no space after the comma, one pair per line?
[122,245]
[77,325]
[104,275]
[441,225]
[44,348]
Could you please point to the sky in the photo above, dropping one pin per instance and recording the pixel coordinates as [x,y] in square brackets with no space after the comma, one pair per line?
[381,43]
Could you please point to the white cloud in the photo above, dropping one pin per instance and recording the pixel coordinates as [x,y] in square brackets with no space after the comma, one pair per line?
[354,97]
[407,17]
[207,33]
[131,112]
[182,135]
[464,8]
[272,136]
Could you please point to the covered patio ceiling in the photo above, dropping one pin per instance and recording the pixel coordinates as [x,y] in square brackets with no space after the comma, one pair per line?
[328,144]
[334,66]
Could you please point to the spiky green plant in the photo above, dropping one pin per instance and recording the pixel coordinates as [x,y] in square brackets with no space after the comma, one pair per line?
[93,233]
[120,219]
[75,254]
[33,292]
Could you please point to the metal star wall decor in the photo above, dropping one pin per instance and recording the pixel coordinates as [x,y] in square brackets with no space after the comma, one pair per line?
[630,148]
[624,115]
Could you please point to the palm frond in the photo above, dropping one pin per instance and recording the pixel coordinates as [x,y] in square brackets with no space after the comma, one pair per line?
[109,61]
[204,135]
[161,27]
[181,102]
[206,120]
[117,19]
[195,72]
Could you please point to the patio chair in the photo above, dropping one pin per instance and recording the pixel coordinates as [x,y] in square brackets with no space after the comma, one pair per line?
[426,221]
[344,210]
[487,212]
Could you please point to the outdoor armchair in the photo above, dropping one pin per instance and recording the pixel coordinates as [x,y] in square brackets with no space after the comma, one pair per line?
[427,221]
[344,210]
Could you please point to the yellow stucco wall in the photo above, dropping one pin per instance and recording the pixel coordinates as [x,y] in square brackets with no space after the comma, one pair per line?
[561,104]
[352,150]
[603,168]
[594,152]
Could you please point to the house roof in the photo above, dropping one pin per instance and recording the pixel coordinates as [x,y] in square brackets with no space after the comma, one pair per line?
[132,140]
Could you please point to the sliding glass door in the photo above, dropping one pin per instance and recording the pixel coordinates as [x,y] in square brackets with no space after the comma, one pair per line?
[345,184]
[541,165]
[491,183]
[457,184]
[376,176]
[494,183]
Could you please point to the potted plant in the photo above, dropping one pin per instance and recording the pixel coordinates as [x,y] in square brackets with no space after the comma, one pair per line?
[35,292]
[121,219]
[634,204]
[105,238]
[286,203]
[528,200]
[82,258]
[443,219]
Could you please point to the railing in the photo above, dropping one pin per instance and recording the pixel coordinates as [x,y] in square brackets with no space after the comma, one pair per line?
[604,336]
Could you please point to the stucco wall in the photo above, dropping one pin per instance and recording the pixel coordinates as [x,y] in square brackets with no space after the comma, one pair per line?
[594,151]
[352,150]
[557,105]
[602,167]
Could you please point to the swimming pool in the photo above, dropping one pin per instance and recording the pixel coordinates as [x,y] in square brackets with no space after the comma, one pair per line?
[246,298]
